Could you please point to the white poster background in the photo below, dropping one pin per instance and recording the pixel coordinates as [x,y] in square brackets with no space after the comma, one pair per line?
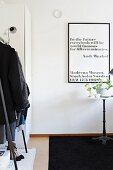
[88,52]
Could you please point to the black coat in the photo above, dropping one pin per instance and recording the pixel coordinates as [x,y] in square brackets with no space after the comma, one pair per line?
[13,83]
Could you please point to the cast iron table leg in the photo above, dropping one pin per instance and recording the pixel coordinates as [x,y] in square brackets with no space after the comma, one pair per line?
[103,138]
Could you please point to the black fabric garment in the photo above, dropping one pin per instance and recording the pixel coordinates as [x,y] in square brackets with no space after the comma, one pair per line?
[14,86]
[24,87]
[12,129]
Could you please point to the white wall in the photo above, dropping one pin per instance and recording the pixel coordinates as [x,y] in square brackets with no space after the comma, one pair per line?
[60,107]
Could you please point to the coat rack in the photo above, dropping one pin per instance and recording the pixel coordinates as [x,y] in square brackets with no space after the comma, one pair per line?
[11,147]
[12,30]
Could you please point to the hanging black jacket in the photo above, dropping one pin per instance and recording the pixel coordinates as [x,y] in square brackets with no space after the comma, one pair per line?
[13,83]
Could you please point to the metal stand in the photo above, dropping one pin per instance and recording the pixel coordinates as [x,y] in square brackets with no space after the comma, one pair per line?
[21,128]
[24,141]
[103,138]
[11,147]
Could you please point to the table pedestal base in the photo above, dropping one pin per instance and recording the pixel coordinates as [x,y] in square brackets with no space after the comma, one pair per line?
[104,139]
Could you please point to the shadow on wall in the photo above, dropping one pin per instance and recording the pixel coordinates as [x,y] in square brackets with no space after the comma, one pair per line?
[69,112]
[72,100]
[79,114]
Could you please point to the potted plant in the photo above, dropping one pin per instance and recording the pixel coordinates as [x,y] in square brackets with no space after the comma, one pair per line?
[99,88]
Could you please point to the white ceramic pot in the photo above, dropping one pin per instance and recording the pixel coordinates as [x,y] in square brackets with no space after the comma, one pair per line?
[101,91]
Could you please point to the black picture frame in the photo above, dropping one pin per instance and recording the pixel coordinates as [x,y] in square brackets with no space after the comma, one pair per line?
[88,52]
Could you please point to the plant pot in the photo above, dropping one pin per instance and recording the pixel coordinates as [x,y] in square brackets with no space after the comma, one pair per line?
[101,91]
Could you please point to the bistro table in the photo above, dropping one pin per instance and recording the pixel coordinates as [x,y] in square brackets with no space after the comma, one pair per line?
[104,138]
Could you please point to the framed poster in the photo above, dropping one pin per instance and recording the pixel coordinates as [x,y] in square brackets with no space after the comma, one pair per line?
[88,52]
